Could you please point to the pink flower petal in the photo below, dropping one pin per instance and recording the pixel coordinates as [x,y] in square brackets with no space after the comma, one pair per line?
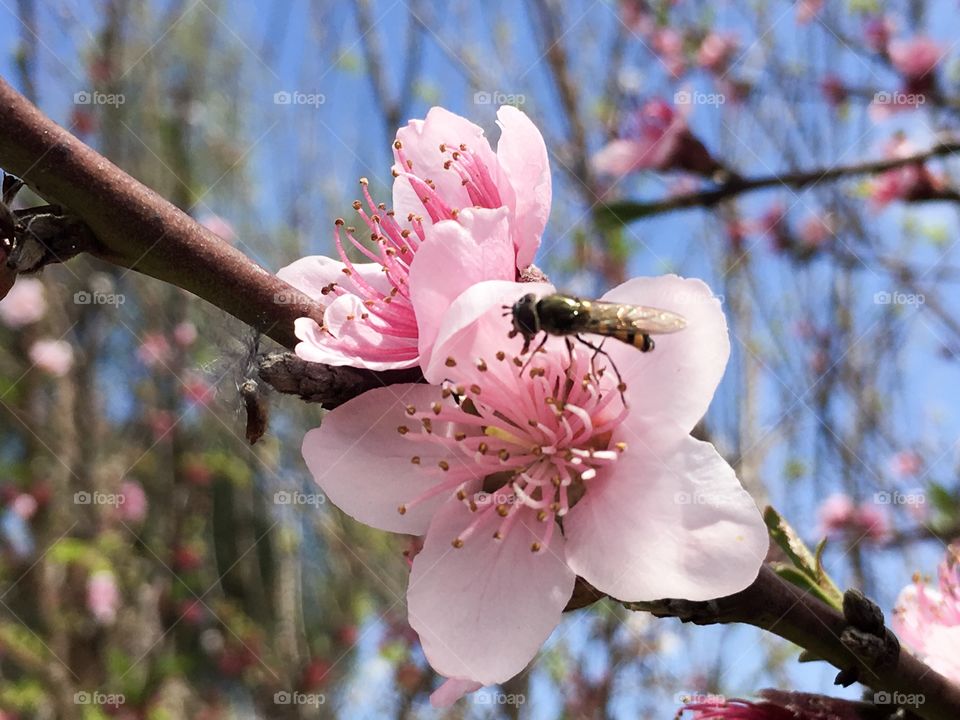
[469,329]
[678,379]
[482,611]
[621,157]
[311,274]
[478,247]
[421,141]
[352,342]
[364,464]
[452,690]
[523,157]
[667,522]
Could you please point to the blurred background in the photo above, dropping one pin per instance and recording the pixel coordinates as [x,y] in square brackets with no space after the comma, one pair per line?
[154,565]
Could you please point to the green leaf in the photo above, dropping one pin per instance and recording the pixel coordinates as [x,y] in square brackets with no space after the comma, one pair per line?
[807,569]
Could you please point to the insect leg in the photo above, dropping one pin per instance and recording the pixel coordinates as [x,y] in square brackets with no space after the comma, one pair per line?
[534,353]
[598,350]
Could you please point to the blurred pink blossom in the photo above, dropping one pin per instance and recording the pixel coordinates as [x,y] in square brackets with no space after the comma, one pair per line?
[906,463]
[161,423]
[807,10]
[927,620]
[637,16]
[134,505]
[667,43]
[908,182]
[877,30]
[462,213]
[54,357]
[219,226]
[834,90]
[198,390]
[154,350]
[103,597]
[661,141]
[25,304]
[840,516]
[641,501]
[25,505]
[915,58]
[716,51]
[185,334]
[815,231]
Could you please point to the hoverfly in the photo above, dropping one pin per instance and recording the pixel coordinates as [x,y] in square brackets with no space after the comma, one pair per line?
[564,315]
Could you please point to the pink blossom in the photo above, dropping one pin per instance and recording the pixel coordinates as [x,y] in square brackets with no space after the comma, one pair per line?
[773,224]
[161,423]
[493,455]
[841,517]
[661,141]
[25,505]
[807,10]
[103,598]
[154,350]
[836,514]
[834,90]
[906,463]
[773,705]
[716,51]
[668,45]
[133,508]
[218,226]
[927,620]
[908,182]
[815,231]
[25,304]
[877,30]
[915,58]
[463,213]
[185,334]
[197,390]
[636,15]
[54,357]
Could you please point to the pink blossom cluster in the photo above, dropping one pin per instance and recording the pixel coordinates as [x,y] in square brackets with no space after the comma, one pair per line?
[841,516]
[927,619]
[521,471]
[657,137]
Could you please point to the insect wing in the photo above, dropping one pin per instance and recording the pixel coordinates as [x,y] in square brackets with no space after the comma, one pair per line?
[609,317]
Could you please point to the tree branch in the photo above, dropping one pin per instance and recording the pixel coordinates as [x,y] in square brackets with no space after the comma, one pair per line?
[136,228]
[623,212]
[779,607]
